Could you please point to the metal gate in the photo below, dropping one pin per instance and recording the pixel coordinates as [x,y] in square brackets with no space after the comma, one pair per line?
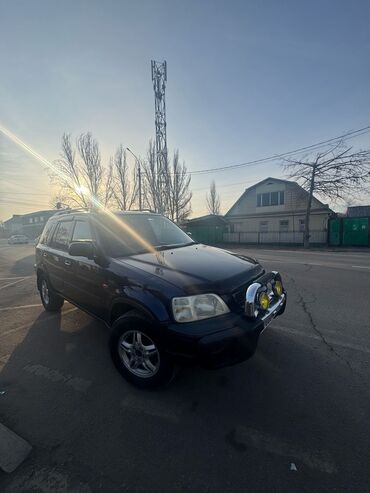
[334,232]
[210,235]
[356,231]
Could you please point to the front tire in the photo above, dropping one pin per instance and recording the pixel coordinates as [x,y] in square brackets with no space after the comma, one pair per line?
[51,301]
[137,353]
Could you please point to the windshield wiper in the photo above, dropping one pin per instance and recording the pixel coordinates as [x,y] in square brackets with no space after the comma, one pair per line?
[174,245]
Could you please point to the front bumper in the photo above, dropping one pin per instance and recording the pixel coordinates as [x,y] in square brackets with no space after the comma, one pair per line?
[220,341]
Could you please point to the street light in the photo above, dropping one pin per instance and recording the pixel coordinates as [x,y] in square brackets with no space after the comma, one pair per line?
[139,175]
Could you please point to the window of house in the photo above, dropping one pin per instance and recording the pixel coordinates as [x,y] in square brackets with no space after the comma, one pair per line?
[36,220]
[41,219]
[264,226]
[82,231]
[274,198]
[301,224]
[284,225]
[270,198]
[62,235]
[30,220]
[266,199]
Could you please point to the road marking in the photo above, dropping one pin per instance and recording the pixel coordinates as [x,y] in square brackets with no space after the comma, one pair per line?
[4,359]
[27,326]
[12,278]
[15,282]
[78,384]
[360,266]
[344,345]
[315,459]
[20,307]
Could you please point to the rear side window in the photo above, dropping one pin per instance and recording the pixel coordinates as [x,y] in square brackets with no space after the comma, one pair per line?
[82,231]
[62,235]
[46,234]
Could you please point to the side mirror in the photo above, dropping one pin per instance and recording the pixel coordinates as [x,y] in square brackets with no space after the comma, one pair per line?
[81,249]
[189,234]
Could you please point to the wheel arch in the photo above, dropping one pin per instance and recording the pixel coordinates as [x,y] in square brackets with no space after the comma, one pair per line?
[122,306]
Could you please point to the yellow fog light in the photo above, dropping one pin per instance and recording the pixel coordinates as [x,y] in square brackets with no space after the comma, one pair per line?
[278,288]
[264,301]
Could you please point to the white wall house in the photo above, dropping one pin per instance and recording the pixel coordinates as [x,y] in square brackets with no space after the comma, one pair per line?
[273,211]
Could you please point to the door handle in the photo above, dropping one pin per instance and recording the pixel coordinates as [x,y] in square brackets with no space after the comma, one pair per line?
[67,262]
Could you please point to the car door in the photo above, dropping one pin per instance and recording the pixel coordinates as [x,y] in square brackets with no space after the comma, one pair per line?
[86,284]
[58,264]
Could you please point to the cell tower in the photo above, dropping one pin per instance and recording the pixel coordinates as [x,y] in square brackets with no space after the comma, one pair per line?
[159,78]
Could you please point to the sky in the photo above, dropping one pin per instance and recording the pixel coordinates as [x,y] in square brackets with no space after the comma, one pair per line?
[246,79]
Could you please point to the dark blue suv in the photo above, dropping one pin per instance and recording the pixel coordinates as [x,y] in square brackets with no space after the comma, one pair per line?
[165,298]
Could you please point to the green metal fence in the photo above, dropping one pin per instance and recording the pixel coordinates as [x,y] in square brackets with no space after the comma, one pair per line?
[210,235]
[349,231]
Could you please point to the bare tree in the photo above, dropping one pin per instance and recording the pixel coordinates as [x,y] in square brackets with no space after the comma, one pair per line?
[91,168]
[178,183]
[80,175]
[125,190]
[336,173]
[213,200]
[150,179]
[170,192]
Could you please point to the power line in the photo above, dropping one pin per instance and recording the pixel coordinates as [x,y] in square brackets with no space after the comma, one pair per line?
[346,136]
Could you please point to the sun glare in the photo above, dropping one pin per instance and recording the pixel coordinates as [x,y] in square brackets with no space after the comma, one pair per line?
[79,189]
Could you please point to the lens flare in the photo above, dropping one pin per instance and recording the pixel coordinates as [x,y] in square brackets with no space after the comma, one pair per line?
[83,190]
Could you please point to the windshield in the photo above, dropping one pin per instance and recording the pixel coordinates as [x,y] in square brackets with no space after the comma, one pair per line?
[154,230]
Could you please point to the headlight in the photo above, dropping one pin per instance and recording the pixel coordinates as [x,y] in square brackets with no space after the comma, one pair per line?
[198,307]
[264,301]
[277,288]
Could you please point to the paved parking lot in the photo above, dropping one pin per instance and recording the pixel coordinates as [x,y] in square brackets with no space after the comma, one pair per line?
[293,418]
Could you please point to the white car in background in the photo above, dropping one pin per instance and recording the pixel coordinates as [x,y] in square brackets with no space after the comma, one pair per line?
[17,239]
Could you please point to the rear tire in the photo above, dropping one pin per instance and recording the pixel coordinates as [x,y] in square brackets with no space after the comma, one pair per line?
[52,302]
[137,352]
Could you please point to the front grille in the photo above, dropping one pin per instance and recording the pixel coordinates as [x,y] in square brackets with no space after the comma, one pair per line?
[239,296]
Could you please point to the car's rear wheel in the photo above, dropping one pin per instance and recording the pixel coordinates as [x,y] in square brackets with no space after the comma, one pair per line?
[137,352]
[51,301]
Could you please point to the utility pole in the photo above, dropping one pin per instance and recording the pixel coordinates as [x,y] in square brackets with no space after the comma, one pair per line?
[159,78]
[138,176]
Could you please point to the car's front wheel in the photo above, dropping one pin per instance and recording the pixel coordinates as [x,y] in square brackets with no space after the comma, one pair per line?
[137,352]
[51,301]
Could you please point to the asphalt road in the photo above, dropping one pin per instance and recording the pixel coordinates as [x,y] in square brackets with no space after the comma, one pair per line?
[294,418]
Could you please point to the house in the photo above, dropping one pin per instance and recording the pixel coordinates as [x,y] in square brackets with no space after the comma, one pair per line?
[273,211]
[30,224]
[358,211]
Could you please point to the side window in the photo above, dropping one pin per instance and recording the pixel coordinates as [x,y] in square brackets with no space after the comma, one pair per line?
[82,231]
[46,234]
[62,235]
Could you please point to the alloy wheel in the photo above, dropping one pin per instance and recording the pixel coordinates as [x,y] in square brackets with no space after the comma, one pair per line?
[139,353]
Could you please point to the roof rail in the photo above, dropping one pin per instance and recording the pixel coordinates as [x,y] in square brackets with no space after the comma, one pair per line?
[141,210]
[70,211]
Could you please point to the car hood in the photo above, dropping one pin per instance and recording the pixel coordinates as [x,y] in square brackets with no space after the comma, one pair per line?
[197,268]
